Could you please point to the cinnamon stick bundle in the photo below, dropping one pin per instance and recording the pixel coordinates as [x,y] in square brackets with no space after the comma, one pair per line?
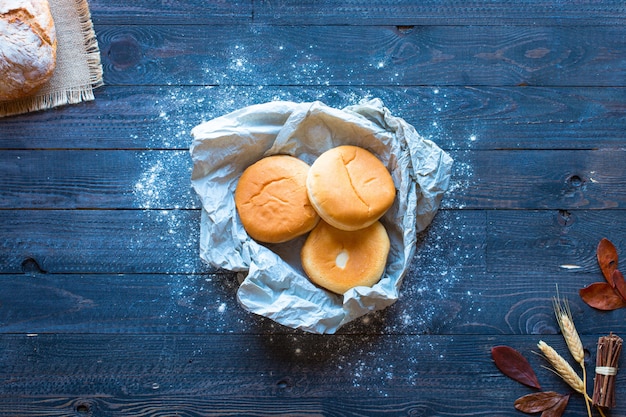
[607,358]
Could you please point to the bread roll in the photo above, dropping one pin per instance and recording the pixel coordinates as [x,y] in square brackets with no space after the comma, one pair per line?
[339,260]
[272,200]
[350,187]
[28,47]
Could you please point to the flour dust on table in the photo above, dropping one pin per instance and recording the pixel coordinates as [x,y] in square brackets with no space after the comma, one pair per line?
[179,109]
[460,182]
[163,192]
[161,184]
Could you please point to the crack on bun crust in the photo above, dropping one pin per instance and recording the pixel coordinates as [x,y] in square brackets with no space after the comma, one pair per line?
[355,189]
[350,187]
[272,201]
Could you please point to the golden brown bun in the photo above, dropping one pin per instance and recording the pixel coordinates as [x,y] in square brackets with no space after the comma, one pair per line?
[272,201]
[339,260]
[28,47]
[350,187]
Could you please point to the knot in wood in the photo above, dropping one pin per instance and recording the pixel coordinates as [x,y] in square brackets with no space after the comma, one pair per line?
[575,181]
[124,52]
[31,267]
[565,218]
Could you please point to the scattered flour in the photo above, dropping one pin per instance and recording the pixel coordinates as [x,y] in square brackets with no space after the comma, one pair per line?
[164,195]
[460,148]
[164,192]
[164,182]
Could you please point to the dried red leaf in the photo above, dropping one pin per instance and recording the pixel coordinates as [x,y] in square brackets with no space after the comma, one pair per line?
[559,409]
[607,258]
[537,402]
[619,283]
[514,365]
[602,296]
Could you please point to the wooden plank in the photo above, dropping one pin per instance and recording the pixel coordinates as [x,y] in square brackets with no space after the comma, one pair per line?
[131,241]
[437,12]
[446,291]
[109,241]
[550,240]
[457,118]
[421,403]
[158,241]
[359,12]
[214,12]
[204,375]
[445,300]
[159,179]
[466,265]
[562,180]
[363,55]
[128,303]
[166,241]
[97,179]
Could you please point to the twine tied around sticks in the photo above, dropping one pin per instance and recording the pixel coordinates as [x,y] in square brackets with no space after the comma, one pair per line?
[606,370]
[607,358]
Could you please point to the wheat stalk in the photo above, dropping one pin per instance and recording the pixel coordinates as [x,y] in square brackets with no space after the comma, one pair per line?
[572,339]
[564,318]
[562,367]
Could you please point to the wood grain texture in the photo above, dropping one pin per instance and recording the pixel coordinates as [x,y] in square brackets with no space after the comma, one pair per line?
[107,310]
[130,303]
[146,241]
[359,12]
[536,179]
[169,12]
[95,241]
[166,241]
[549,239]
[363,55]
[344,375]
[109,179]
[433,12]
[456,118]
[474,272]
[486,304]
[160,179]
[245,406]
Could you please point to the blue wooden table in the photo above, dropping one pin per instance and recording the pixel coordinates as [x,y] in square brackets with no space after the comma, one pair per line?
[107,310]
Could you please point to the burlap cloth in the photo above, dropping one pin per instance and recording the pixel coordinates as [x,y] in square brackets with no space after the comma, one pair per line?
[78,70]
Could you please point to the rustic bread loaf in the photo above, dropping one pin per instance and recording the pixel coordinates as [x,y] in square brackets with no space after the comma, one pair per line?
[27,47]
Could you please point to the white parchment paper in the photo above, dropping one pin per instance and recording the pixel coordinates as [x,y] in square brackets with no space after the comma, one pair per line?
[273,282]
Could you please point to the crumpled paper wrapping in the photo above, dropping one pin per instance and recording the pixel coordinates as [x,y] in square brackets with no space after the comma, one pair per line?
[274,284]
